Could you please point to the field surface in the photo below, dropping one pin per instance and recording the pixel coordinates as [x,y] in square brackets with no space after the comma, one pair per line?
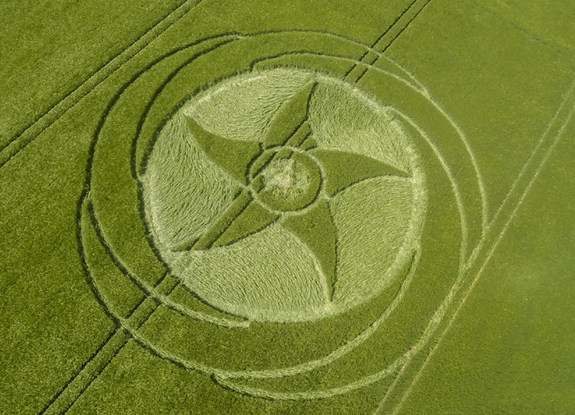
[297,207]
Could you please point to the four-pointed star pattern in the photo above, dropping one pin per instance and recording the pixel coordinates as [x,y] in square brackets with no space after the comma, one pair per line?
[285,179]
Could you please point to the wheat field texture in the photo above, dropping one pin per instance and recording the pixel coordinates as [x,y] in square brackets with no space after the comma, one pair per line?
[300,207]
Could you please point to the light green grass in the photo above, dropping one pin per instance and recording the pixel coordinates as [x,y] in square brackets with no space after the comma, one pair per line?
[305,213]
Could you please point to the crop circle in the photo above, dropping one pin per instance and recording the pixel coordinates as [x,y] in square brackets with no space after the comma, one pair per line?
[352,172]
[154,171]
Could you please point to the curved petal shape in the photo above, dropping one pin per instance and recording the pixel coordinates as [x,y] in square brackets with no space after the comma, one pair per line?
[252,219]
[343,169]
[220,225]
[289,118]
[233,156]
[308,144]
[301,134]
[315,228]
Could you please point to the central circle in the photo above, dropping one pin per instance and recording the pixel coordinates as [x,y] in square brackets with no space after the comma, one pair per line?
[285,179]
[275,219]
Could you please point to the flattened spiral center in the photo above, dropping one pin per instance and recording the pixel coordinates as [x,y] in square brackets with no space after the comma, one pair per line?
[286,180]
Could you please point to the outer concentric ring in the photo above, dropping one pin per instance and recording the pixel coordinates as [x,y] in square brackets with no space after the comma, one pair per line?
[110,197]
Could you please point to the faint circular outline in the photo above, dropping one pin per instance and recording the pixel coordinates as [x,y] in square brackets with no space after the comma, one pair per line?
[282,371]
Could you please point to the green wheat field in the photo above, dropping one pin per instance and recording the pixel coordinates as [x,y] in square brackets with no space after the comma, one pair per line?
[298,207]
